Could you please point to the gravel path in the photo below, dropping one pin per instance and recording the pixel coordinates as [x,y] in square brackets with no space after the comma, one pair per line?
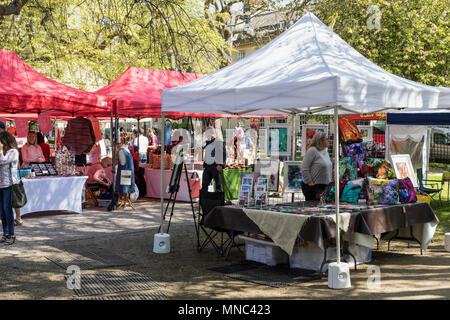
[26,273]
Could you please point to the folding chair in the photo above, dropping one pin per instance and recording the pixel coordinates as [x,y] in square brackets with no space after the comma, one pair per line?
[434,190]
[91,189]
[221,239]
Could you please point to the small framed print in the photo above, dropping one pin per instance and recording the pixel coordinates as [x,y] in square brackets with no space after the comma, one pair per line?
[403,168]
[366,132]
[308,132]
[292,176]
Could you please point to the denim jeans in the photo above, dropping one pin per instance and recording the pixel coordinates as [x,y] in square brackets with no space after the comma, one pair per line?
[142,158]
[6,211]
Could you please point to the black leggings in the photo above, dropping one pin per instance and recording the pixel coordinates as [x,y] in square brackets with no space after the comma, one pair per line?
[312,193]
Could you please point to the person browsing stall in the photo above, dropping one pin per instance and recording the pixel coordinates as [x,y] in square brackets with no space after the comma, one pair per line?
[100,173]
[31,151]
[316,167]
[215,155]
[45,147]
[143,145]
[9,162]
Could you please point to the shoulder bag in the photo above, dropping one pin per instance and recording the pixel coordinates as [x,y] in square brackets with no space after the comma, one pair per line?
[18,196]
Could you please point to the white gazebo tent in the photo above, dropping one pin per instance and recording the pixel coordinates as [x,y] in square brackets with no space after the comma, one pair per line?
[307,69]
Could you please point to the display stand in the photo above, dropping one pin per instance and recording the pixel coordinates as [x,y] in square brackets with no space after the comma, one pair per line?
[174,187]
[126,200]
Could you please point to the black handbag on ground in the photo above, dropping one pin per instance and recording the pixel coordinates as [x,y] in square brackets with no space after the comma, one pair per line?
[18,195]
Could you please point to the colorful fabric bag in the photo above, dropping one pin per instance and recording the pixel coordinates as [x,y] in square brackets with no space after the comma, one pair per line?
[348,169]
[356,151]
[380,168]
[349,131]
[352,190]
[382,191]
[406,191]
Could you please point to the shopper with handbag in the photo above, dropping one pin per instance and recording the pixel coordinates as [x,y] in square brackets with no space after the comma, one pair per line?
[9,161]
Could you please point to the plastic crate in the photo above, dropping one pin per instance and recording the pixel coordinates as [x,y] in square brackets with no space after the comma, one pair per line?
[264,252]
[310,256]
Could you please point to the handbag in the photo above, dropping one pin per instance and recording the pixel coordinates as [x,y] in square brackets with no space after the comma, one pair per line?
[18,195]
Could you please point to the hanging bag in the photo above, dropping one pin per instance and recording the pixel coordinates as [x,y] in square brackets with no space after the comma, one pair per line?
[18,195]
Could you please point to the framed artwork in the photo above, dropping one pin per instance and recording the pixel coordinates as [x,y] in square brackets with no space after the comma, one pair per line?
[292,176]
[366,132]
[403,168]
[262,141]
[271,169]
[283,134]
[308,132]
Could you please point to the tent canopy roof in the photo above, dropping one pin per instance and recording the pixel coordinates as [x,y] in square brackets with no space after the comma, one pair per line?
[306,69]
[22,89]
[137,92]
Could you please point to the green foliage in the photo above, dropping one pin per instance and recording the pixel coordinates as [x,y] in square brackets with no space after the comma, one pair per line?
[89,43]
[412,41]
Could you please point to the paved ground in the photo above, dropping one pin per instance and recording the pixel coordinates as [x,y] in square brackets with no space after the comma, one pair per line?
[25,273]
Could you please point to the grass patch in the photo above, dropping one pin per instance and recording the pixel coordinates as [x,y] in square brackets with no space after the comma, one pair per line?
[442,211]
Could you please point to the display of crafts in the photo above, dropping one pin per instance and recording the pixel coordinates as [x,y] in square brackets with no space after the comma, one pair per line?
[65,163]
[365,178]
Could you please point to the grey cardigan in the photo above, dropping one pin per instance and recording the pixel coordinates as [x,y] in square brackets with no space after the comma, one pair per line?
[316,167]
[8,174]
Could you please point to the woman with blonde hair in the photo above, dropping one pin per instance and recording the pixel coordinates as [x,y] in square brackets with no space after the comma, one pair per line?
[316,167]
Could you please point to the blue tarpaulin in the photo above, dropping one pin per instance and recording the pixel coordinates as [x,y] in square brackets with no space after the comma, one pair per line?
[417,119]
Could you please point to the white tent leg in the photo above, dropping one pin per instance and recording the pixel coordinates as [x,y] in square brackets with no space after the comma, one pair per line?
[336,180]
[161,241]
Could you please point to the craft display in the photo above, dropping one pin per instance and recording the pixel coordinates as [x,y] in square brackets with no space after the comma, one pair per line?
[279,139]
[271,169]
[65,163]
[261,191]
[43,169]
[292,176]
[403,168]
[383,191]
[406,191]
[366,133]
[349,132]
[308,132]
[245,193]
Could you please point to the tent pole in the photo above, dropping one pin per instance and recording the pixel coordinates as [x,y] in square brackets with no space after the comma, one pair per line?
[336,181]
[162,171]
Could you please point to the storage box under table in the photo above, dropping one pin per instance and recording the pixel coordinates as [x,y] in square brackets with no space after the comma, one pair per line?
[264,252]
[309,256]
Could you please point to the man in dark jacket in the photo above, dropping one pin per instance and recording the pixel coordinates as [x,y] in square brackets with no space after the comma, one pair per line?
[215,156]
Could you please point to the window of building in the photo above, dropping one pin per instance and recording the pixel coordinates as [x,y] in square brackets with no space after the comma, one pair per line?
[241,54]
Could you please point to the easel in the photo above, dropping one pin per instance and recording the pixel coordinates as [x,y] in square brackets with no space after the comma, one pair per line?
[126,200]
[174,188]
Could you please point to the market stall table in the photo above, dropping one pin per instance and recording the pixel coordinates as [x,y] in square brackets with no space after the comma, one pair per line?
[153,182]
[232,181]
[360,226]
[53,193]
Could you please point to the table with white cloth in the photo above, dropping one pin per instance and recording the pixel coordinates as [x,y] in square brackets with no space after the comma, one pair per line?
[53,194]
[153,182]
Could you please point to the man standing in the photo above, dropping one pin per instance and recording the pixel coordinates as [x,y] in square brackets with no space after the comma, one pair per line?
[142,142]
[215,155]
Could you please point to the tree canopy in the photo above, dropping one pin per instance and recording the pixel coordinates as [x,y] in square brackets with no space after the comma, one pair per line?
[88,43]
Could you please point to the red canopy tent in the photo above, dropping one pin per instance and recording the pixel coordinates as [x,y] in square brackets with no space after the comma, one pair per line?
[137,93]
[24,90]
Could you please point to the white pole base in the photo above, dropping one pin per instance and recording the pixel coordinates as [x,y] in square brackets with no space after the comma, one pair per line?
[447,241]
[161,243]
[338,275]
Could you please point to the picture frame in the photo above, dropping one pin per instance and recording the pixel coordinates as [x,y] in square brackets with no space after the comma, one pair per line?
[262,142]
[292,176]
[271,169]
[308,132]
[366,132]
[403,168]
[284,133]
